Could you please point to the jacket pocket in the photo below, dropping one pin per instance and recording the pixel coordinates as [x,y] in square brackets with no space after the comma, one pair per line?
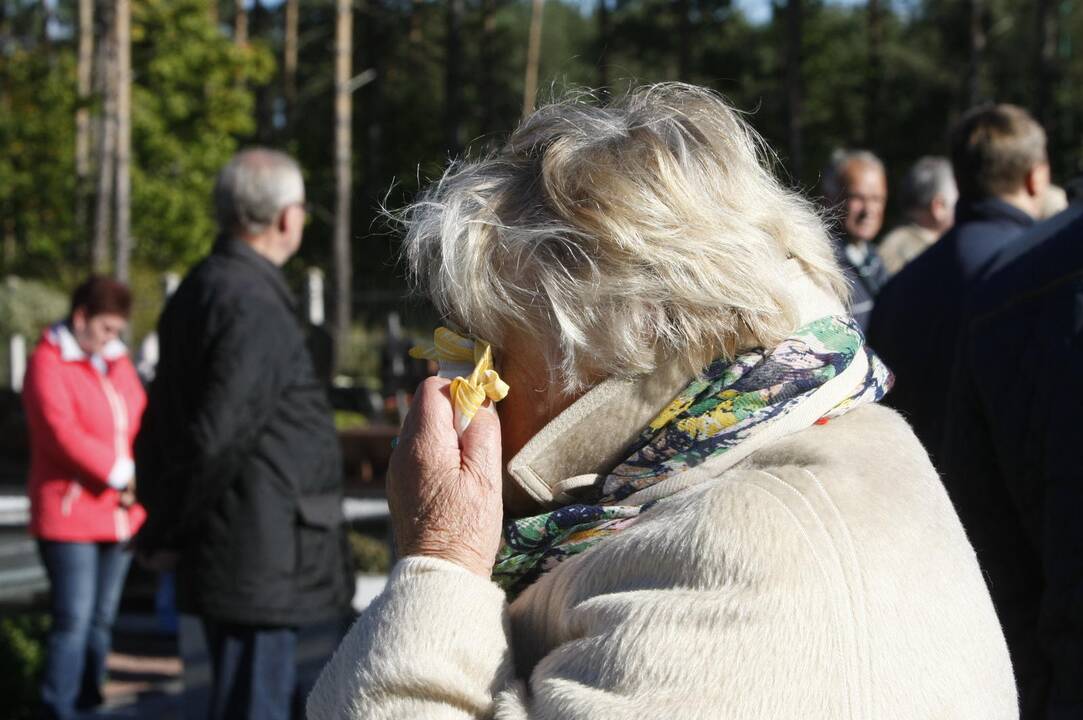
[67,500]
[319,518]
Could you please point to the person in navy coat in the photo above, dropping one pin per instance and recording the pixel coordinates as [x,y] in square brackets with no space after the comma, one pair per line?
[998,155]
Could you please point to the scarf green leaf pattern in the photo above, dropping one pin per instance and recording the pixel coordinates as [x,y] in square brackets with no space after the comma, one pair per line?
[723,407]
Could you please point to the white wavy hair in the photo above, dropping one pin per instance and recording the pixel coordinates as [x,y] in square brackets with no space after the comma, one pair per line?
[619,236]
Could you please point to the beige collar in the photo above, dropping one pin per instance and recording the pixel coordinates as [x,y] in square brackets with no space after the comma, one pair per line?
[591,436]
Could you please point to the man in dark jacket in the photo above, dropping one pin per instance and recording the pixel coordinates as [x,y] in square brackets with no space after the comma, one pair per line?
[855,186]
[238,459]
[998,155]
[1011,458]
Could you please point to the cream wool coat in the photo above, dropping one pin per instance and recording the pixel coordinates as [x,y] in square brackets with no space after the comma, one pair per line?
[820,573]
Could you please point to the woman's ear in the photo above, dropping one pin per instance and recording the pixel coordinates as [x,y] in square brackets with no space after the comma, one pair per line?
[78,319]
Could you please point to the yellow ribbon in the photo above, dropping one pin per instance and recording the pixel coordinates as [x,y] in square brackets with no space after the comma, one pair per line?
[469,393]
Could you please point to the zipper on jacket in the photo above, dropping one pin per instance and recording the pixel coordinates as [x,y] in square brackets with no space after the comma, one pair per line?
[120,417]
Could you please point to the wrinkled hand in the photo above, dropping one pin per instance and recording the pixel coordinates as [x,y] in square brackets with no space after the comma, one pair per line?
[444,491]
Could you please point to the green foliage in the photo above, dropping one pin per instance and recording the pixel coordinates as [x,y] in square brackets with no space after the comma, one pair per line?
[37,174]
[28,306]
[22,656]
[190,103]
[370,555]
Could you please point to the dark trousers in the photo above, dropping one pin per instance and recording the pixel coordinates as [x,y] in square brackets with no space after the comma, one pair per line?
[85,582]
[254,670]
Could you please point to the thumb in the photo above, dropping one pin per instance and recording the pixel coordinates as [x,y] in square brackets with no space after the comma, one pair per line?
[480,444]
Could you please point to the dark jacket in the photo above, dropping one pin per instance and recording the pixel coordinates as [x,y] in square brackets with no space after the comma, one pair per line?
[915,324]
[1012,457]
[238,459]
[865,281]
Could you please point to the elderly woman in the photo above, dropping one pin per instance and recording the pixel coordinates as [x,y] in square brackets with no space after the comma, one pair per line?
[704,512]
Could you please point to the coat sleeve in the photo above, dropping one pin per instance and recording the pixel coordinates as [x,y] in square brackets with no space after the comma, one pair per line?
[433,645]
[50,412]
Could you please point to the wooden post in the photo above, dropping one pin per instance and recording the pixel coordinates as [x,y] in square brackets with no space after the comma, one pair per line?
[603,41]
[82,115]
[486,84]
[533,57]
[453,78]
[124,139]
[684,40]
[975,75]
[874,73]
[794,87]
[99,251]
[17,361]
[343,151]
[289,58]
[240,24]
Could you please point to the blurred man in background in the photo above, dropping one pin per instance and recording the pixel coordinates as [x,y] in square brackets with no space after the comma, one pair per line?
[1011,456]
[238,458]
[855,185]
[999,161]
[929,195]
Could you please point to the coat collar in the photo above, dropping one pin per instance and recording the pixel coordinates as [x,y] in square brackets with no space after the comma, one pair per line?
[992,209]
[60,335]
[573,450]
[240,250]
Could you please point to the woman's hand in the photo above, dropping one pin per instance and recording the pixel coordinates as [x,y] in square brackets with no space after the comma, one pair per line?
[444,491]
[127,495]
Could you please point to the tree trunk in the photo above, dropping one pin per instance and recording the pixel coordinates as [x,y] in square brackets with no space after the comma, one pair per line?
[975,75]
[212,11]
[99,251]
[82,115]
[603,43]
[240,24]
[533,57]
[415,20]
[684,39]
[1045,65]
[453,126]
[289,60]
[794,88]
[486,84]
[47,17]
[342,258]
[874,72]
[124,138]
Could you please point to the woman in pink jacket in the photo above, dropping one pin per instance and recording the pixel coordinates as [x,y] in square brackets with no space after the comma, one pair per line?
[83,404]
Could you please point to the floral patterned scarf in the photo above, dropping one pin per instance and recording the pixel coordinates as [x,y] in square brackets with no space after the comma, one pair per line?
[725,406]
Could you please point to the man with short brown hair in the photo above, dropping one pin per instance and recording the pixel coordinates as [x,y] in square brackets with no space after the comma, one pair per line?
[999,160]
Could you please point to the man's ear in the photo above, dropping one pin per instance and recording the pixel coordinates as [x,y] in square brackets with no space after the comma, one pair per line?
[78,319]
[282,222]
[1037,180]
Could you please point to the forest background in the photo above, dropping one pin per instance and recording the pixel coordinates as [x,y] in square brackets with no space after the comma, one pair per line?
[374,96]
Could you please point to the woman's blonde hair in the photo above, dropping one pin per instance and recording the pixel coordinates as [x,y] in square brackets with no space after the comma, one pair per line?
[619,235]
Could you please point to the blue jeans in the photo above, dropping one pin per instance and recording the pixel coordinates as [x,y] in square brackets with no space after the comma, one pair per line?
[85,582]
[254,670]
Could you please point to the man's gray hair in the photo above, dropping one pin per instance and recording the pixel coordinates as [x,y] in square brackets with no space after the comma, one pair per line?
[254,187]
[841,158]
[930,176]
